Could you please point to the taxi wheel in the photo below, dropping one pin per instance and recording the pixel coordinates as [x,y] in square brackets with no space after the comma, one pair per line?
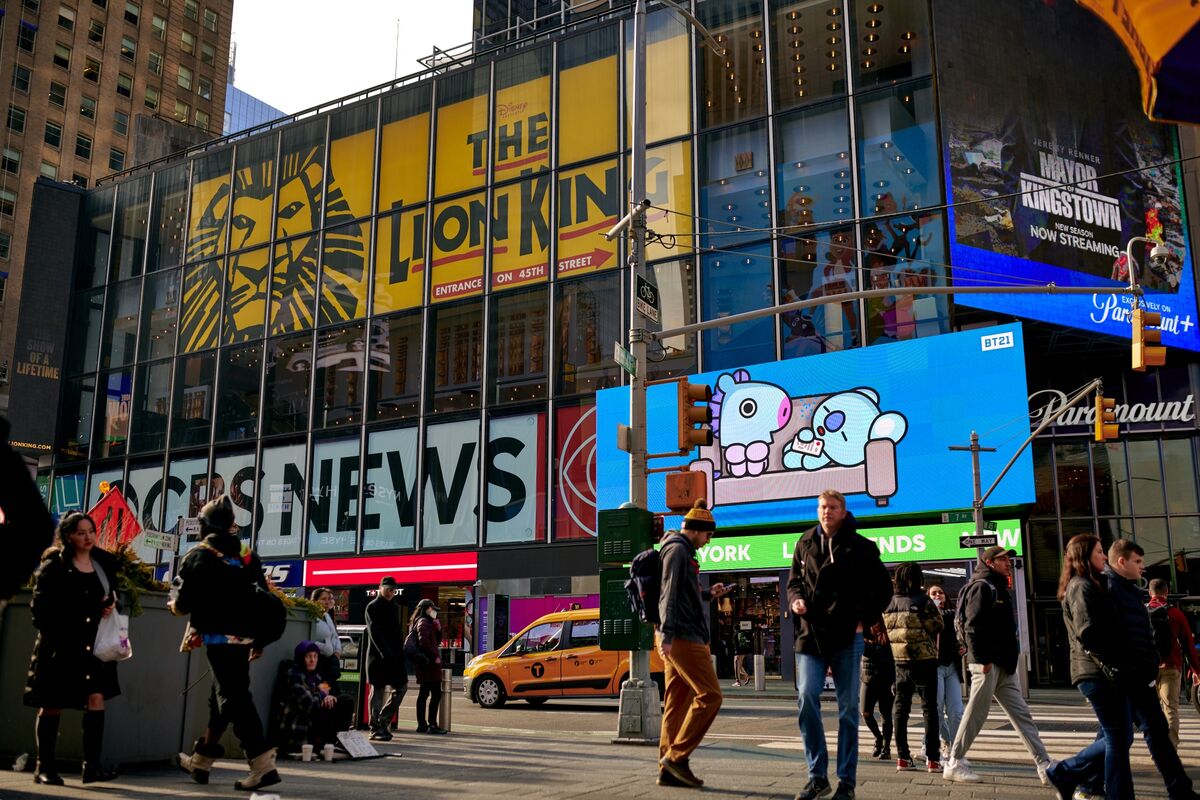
[489,692]
[535,701]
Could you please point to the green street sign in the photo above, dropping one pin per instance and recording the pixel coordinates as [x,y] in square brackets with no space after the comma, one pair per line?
[958,516]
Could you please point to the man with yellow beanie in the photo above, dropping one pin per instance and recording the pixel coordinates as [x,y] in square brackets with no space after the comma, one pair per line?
[693,695]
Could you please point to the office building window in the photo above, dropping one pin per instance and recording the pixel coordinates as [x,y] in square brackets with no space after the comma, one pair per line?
[187,42]
[155,63]
[128,48]
[91,70]
[32,5]
[58,94]
[53,135]
[116,159]
[124,85]
[27,36]
[11,161]
[5,245]
[185,78]
[208,53]
[66,18]
[21,78]
[210,19]
[16,119]
[151,100]
[87,107]
[191,9]
[83,146]
[158,27]
[182,111]
[96,32]
[133,13]
[201,119]
[204,88]
[50,170]
[120,123]
[80,180]
[62,56]
[8,202]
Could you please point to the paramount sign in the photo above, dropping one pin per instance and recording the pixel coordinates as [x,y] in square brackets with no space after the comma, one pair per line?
[1048,401]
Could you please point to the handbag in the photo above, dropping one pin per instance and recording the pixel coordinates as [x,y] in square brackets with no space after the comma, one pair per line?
[412,648]
[112,634]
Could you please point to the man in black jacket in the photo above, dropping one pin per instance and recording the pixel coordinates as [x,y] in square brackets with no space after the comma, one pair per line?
[386,670]
[693,696]
[837,587]
[993,649]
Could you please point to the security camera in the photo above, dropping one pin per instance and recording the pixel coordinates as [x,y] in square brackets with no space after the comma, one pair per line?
[1160,255]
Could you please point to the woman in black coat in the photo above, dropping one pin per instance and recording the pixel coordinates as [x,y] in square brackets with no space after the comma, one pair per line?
[423,626]
[74,590]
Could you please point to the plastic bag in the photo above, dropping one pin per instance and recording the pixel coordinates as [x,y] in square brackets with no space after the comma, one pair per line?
[112,638]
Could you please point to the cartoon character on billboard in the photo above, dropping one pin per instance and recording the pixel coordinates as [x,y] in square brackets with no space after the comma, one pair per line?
[745,415]
[841,426]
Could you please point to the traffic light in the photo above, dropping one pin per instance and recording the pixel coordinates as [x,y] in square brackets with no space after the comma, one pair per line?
[1147,337]
[1106,418]
[690,415]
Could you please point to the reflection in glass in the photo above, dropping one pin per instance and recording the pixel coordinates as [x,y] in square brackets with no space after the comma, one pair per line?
[239,379]
[808,47]
[1043,480]
[289,366]
[84,328]
[587,95]
[168,217]
[301,178]
[191,414]
[151,407]
[1145,476]
[824,265]
[522,114]
[120,324]
[112,430]
[344,273]
[351,161]
[246,303]
[1043,547]
[455,356]
[160,314]
[1185,548]
[1180,476]
[75,418]
[735,191]
[813,178]
[1151,534]
[890,41]
[906,251]
[404,147]
[95,238]
[395,387]
[669,188]
[517,348]
[668,76]
[735,85]
[129,234]
[1074,486]
[1112,479]
[898,149]
[253,192]
[676,282]
[340,359]
[202,287]
[588,322]
[734,283]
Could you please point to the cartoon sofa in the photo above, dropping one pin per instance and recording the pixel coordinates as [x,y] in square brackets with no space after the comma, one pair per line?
[770,446]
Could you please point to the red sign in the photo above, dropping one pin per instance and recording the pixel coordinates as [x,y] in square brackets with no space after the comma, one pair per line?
[116,524]
[368,570]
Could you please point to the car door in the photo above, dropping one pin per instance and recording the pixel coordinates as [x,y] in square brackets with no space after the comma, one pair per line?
[586,669]
[534,662]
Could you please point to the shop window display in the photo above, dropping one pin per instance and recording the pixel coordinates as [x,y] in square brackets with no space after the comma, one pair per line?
[905,251]
[748,623]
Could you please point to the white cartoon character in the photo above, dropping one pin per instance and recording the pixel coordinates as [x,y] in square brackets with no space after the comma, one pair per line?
[745,415]
[839,431]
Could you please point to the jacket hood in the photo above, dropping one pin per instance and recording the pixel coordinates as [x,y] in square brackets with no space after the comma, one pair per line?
[304,648]
[679,537]
[985,572]
[849,525]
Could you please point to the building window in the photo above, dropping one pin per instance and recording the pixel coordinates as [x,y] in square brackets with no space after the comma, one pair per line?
[155,63]
[91,70]
[27,36]
[50,170]
[100,3]
[208,53]
[210,19]
[58,94]
[151,98]
[185,78]
[21,78]
[120,123]
[32,5]
[187,42]
[116,159]
[128,48]
[133,13]
[11,162]
[124,85]
[83,146]
[80,180]
[87,107]
[96,32]
[158,27]
[62,56]
[8,202]
[66,18]
[53,135]
[204,88]
[191,9]
[182,111]
[201,119]
[5,245]
[16,119]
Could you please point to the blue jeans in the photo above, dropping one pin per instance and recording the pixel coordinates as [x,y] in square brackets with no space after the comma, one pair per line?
[1110,753]
[810,676]
[1150,720]
[949,700]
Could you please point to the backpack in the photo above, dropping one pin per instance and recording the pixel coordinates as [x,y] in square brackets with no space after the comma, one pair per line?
[1164,637]
[645,585]
[960,609]
[412,648]
[268,615]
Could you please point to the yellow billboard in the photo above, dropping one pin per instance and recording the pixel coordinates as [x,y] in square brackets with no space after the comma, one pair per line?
[201,306]
[344,273]
[293,285]
[404,162]
[522,129]
[587,111]
[351,165]
[247,275]
[462,131]
[400,261]
[589,203]
[253,194]
[206,222]
[459,228]
[521,233]
[669,188]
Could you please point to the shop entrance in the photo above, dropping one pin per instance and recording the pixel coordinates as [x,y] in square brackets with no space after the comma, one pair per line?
[746,623]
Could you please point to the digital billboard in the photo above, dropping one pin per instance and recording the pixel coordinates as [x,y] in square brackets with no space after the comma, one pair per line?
[874,423]
[1050,171]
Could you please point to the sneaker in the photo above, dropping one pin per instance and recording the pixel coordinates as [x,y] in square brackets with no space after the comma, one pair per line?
[904,764]
[1084,794]
[435,730]
[815,788]
[885,754]
[945,754]
[681,772]
[959,772]
[878,748]
[932,766]
[1043,768]
[844,792]
[667,779]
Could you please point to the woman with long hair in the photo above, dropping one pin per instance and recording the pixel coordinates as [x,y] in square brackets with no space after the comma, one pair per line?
[949,678]
[424,628]
[326,638]
[74,590]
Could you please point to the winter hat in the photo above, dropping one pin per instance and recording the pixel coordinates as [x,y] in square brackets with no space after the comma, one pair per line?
[217,515]
[304,648]
[699,518]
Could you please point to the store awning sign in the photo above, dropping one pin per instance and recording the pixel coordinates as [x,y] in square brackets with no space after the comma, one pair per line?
[368,570]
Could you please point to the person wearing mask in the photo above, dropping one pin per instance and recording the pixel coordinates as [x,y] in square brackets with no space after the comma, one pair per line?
[386,670]
[325,636]
[692,696]
[73,591]
[426,632]
[308,708]
[878,680]
[993,648]
[837,586]
[949,681]
[217,584]
[1176,651]
[913,623]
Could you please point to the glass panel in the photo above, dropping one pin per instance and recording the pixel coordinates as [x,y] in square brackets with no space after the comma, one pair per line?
[333,496]
[522,114]
[806,67]
[289,361]
[455,356]
[892,42]
[813,179]
[253,193]
[462,131]
[898,149]
[191,417]
[521,231]
[588,320]
[160,315]
[676,282]
[121,324]
[340,357]
[589,203]
[67,493]
[234,474]
[76,418]
[575,471]
[389,497]
[1152,536]
[1109,530]
[1112,479]
[168,217]
[280,500]
[450,514]
[112,419]
[735,192]
[404,148]
[209,205]
[151,407]
[669,186]
[246,295]
[587,95]
[144,501]
[85,327]
[1045,554]
[112,474]
[734,283]
[344,273]
[517,347]
[129,245]
[400,261]
[1043,480]
[668,77]
[237,404]
[906,251]
[1185,543]
[1145,477]
[95,238]
[1180,476]
[293,285]
[186,493]
[301,176]
[1074,488]
[202,287]
[822,266]
[516,479]
[735,84]
[395,373]
[351,163]
[459,227]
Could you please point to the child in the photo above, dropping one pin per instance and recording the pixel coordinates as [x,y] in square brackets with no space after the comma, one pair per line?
[878,676]
[913,623]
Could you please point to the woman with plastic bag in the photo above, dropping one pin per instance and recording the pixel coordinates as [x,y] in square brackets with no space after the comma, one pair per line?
[73,592]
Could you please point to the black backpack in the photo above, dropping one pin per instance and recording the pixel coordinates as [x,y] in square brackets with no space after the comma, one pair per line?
[1164,637]
[645,585]
[268,615]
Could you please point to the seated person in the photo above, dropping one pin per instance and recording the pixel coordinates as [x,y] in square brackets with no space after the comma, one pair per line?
[307,710]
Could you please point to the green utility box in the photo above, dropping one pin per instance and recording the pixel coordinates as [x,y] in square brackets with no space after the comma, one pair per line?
[620,629]
[622,533]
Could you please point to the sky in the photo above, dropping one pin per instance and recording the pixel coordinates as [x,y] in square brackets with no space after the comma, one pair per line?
[300,53]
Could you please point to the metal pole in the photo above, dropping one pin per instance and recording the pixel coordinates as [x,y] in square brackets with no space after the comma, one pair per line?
[977,486]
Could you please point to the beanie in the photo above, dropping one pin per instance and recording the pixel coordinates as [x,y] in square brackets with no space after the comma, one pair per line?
[699,518]
[217,515]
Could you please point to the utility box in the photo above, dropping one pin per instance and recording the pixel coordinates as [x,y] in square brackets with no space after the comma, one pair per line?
[622,533]
[620,629]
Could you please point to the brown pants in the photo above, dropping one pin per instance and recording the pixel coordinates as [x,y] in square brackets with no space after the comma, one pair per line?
[692,700]
[1168,697]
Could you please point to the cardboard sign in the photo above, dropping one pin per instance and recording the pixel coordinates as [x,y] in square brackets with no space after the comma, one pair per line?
[357,745]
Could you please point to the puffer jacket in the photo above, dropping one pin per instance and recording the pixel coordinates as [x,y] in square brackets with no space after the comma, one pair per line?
[913,623]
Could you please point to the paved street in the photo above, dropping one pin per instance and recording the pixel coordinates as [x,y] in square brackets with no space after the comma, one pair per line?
[562,750]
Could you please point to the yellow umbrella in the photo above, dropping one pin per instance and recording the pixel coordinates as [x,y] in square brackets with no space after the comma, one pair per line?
[1163,38]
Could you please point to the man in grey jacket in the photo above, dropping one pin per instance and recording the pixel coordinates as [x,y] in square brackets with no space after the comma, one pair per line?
[693,695]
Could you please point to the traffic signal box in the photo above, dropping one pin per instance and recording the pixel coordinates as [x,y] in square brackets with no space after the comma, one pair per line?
[622,533]
[690,415]
[1147,337]
[1106,418]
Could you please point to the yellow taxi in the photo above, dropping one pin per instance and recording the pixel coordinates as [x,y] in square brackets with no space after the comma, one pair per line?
[557,655]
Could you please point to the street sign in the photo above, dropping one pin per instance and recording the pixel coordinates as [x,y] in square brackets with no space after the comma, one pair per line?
[989,526]
[160,541]
[625,359]
[973,542]
[647,299]
[958,516]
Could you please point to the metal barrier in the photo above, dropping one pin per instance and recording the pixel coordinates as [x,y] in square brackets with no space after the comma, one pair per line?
[760,672]
[444,713]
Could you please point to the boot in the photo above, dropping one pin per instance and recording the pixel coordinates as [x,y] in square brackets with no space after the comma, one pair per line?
[878,747]
[262,772]
[93,743]
[46,772]
[200,762]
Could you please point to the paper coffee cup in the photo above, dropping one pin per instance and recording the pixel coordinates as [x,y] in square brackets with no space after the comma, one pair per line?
[328,752]
[306,752]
